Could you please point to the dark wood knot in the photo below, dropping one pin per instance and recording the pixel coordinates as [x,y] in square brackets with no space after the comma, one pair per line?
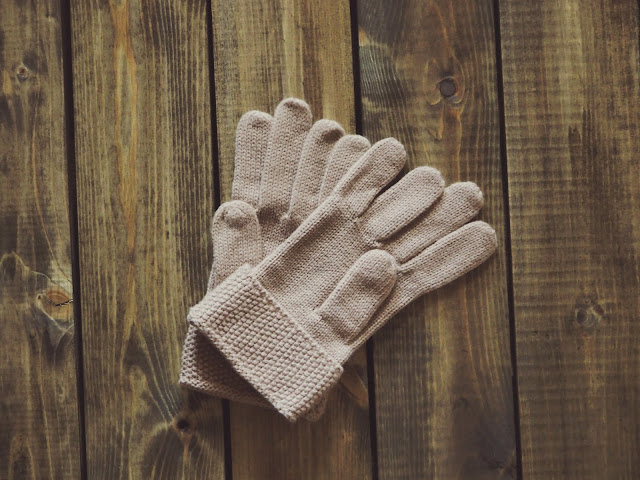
[183,425]
[588,313]
[22,73]
[448,87]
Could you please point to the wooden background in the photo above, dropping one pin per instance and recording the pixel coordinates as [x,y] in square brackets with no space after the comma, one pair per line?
[117,122]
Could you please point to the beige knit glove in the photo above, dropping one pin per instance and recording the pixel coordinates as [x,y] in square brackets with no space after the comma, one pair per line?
[284,167]
[288,324]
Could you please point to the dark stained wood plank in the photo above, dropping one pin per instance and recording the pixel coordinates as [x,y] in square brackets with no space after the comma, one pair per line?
[571,86]
[444,399]
[265,51]
[39,432]
[145,200]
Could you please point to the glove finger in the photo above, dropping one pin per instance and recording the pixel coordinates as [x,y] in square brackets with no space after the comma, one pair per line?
[315,152]
[252,137]
[402,203]
[459,203]
[345,153]
[449,258]
[292,122]
[236,239]
[359,293]
[377,168]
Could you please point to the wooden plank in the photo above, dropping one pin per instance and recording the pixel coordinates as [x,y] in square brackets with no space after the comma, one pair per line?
[145,201]
[39,433]
[444,401]
[571,84]
[265,51]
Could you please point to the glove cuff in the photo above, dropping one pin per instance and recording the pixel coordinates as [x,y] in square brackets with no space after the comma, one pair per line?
[203,370]
[265,344]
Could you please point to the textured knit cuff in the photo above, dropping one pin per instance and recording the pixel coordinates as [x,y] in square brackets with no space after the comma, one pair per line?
[265,345]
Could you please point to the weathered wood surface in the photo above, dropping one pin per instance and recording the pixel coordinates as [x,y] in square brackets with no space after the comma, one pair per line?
[444,400]
[39,433]
[264,52]
[571,89]
[146,192]
[145,199]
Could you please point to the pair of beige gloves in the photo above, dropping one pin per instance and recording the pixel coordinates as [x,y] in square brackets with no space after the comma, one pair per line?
[311,259]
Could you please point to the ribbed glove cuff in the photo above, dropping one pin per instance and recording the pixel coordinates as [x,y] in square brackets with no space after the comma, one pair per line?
[265,344]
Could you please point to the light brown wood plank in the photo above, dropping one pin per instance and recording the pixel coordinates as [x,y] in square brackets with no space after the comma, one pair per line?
[571,86]
[145,201]
[444,399]
[39,432]
[264,52]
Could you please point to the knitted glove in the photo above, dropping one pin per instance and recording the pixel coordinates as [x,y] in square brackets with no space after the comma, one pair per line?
[288,324]
[284,167]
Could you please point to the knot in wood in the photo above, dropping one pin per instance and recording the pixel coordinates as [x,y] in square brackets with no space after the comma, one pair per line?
[22,73]
[588,313]
[183,425]
[448,87]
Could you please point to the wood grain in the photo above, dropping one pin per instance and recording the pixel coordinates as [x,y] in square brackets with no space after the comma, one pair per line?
[39,434]
[145,200]
[264,52]
[444,400]
[571,86]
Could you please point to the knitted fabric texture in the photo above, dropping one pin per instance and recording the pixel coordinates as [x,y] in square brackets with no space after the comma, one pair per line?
[284,167]
[287,324]
[255,334]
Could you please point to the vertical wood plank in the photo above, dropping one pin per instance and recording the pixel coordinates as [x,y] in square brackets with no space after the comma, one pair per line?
[264,52]
[39,433]
[571,85]
[444,399]
[145,200]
